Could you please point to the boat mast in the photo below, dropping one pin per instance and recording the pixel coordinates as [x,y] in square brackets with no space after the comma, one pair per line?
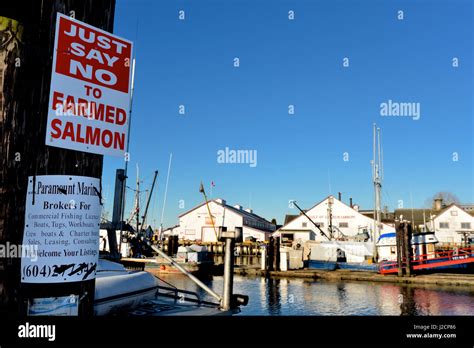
[377,179]
[166,193]
[330,228]
[127,157]
[137,201]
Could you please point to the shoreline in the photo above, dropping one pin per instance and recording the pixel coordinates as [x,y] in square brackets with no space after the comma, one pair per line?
[442,279]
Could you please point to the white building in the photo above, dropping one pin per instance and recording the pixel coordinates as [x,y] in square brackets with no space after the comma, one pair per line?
[196,224]
[346,221]
[452,225]
[170,231]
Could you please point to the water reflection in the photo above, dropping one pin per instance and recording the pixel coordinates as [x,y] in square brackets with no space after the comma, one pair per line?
[307,297]
[406,299]
[274,298]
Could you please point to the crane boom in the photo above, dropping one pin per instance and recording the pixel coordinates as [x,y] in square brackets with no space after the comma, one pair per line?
[149,198]
[314,223]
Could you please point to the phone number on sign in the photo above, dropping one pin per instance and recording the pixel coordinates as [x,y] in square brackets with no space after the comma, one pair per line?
[66,270]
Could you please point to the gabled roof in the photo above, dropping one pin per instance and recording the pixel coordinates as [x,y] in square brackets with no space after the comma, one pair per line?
[235,210]
[415,214]
[438,213]
[314,206]
[170,228]
[386,217]
[289,218]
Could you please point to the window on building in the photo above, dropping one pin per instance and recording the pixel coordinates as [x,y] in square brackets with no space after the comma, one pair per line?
[443,225]
[393,250]
[466,225]
[304,224]
[454,213]
[343,225]
[321,224]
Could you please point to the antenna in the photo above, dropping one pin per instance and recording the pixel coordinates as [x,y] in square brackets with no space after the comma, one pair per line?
[329,182]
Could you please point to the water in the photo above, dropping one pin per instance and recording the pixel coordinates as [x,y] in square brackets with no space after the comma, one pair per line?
[290,296]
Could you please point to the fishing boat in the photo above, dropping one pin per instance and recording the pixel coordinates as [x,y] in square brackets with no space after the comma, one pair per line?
[332,255]
[425,256]
[422,244]
[118,289]
[195,259]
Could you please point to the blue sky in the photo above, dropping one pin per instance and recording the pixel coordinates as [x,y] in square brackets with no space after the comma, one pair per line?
[298,62]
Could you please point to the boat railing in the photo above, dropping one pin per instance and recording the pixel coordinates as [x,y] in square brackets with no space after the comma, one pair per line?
[178,295]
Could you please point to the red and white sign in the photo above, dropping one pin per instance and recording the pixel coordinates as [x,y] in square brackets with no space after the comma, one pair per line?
[89,101]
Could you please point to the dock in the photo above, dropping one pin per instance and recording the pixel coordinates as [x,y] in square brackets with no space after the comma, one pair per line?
[440,279]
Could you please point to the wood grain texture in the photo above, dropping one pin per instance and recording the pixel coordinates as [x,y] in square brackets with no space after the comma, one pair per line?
[23,119]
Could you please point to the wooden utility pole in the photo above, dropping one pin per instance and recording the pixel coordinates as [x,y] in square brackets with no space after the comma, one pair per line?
[25,70]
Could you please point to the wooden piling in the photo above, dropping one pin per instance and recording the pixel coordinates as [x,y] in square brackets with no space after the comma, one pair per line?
[407,234]
[399,246]
[270,255]
[24,97]
[276,251]
[404,249]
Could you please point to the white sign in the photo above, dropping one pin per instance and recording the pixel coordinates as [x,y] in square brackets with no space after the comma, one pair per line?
[56,306]
[62,221]
[89,101]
